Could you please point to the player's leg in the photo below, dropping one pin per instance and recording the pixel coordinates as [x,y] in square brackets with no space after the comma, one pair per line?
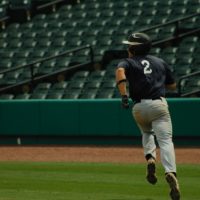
[149,146]
[163,130]
[148,140]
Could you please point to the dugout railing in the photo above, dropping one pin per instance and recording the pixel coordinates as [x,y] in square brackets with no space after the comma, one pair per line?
[35,78]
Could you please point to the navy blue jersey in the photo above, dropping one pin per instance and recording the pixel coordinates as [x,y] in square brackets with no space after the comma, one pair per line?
[147,76]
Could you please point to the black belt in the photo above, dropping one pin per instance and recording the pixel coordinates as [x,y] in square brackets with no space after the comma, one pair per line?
[139,100]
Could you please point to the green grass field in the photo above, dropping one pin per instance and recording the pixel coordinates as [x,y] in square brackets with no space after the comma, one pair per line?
[90,181]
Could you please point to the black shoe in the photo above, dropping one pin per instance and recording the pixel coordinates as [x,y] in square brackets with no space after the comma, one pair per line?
[173,184]
[151,171]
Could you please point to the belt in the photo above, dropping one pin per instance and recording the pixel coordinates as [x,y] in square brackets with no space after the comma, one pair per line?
[140,100]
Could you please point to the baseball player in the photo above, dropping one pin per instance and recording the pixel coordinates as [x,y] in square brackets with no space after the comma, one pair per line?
[148,76]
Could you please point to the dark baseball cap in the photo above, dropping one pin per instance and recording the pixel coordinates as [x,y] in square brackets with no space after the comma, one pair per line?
[137,39]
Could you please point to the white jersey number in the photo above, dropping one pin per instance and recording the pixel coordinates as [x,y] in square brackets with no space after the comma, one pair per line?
[147,69]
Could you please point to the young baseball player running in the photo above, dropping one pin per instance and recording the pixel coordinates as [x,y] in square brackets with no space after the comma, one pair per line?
[148,76]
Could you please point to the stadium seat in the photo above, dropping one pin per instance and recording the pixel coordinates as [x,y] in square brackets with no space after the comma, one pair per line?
[42,88]
[38,96]
[73,95]
[88,95]
[54,96]
[81,75]
[6,96]
[22,96]
[105,94]
[97,75]
[58,88]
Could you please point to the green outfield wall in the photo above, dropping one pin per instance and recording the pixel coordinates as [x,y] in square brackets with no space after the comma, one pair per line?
[81,118]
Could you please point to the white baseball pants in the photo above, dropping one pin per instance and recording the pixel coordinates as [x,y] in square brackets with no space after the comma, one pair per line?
[153,118]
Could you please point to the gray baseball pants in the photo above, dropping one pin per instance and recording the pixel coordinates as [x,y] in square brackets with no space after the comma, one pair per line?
[153,118]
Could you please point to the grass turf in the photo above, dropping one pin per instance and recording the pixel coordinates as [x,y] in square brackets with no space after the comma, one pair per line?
[90,181]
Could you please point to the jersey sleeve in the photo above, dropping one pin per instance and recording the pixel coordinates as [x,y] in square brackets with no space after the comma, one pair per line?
[124,64]
[169,75]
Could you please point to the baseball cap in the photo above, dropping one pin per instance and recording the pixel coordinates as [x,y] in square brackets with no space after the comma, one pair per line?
[137,39]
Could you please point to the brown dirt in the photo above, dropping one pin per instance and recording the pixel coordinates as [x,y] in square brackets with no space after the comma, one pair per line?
[89,154]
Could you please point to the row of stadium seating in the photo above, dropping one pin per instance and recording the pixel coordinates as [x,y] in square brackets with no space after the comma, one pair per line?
[184,59]
[83,84]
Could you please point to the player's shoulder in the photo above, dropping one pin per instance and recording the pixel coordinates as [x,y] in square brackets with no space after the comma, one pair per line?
[157,60]
[123,62]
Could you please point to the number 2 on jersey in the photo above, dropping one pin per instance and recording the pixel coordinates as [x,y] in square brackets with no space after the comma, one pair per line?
[147,69]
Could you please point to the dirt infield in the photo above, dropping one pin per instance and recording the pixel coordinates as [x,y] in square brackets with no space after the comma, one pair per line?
[89,154]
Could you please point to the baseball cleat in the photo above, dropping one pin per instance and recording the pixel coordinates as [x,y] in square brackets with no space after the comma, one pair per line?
[151,171]
[173,183]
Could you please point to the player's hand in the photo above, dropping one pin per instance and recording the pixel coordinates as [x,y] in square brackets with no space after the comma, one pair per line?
[125,102]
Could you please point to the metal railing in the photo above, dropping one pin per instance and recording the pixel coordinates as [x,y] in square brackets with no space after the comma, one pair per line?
[177,34]
[39,77]
[176,21]
[179,84]
[52,4]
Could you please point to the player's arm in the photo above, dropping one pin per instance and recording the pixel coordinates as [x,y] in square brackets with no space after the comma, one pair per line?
[121,80]
[121,84]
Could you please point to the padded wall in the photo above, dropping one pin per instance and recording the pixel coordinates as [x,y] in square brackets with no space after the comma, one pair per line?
[87,118]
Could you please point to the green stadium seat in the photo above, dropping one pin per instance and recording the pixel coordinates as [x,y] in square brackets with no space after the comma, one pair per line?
[73,85]
[29,34]
[97,75]
[39,17]
[29,44]
[25,75]
[15,43]
[109,84]
[105,94]
[38,96]
[92,85]
[5,64]
[62,63]
[11,77]
[182,71]
[88,95]
[184,62]
[59,42]
[22,54]
[54,96]
[22,96]
[81,75]
[42,88]
[155,51]
[47,67]
[71,96]
[3,12]
[192,85]
[44,34]
[59,87]
[166,32]
[6,96]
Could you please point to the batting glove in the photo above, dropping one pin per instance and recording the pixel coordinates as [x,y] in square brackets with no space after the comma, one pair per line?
[125,102]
